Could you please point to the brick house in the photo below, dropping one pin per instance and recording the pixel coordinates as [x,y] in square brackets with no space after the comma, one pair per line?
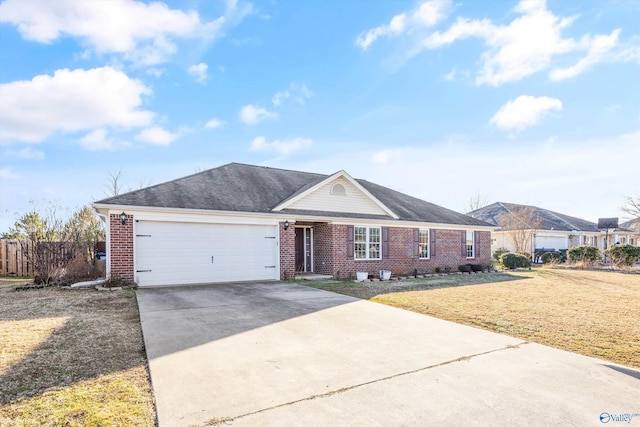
[242,223]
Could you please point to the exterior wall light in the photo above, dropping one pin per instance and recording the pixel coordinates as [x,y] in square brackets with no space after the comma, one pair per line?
[286,224]
[123,218]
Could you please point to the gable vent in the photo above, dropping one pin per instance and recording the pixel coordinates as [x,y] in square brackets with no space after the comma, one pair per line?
[338,190]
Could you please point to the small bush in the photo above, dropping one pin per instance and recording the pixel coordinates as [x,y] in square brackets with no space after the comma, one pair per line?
[437,270]
[464,268]
[476,267]
[498,253]
[624,255]
[552,258]
[584,254]
[512,261]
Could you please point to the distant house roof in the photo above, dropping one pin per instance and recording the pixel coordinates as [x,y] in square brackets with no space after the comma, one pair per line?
[549,220]
[248,188]
[633,224]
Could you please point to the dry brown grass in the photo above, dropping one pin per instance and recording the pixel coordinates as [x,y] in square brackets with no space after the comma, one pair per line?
[594,313]
[72,358]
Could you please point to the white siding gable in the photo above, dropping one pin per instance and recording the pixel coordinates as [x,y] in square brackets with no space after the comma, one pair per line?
[331,199]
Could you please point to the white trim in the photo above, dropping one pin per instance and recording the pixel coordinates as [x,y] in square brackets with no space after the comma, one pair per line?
[304,244]
[428,230]
[239,217]
[340,174]
[367,242]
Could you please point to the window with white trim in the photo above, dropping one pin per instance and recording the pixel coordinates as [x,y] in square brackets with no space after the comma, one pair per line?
[367,242]
[470,248]
[423,242]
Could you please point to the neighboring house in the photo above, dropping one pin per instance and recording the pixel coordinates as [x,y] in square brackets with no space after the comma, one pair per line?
[553,231]
[241,223]
[634,226]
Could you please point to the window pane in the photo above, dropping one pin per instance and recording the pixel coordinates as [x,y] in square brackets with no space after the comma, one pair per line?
[360,234]
[360,250]
[374,235]
[374,250]
[424,243]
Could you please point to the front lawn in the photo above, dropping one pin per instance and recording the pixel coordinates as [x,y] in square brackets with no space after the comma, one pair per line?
[594,313]
[72,358]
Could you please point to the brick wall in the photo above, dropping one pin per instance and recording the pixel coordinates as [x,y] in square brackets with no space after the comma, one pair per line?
[287,252]
[121,254]
[330,252]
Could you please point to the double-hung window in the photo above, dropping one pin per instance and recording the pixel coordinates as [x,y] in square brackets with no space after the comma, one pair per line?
[469,243]
[367,242]
[423,243]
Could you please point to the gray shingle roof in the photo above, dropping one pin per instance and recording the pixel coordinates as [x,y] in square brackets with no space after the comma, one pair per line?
[247,188]
[549,220]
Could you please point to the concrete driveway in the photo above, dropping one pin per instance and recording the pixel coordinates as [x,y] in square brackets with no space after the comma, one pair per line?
[284,354]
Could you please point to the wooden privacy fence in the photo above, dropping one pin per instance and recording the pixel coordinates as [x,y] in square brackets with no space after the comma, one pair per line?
[16,256]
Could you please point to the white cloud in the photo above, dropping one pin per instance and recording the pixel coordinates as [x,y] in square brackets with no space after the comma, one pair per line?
[382,157]
[285,147]
[426,15]
[97,140]
[142,32]
[71,101]
[527,45]
[451,75]
[524,111]
[251,114]
[513,53]
[597,49]
[214,124]
[7,173]
[299,93]
[157,136]
[199,71]
[28,153]
[279,97]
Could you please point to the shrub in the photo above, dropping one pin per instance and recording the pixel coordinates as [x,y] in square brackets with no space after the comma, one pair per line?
[437,270]
[476,267]
[552,258]
[585,254]
[624,255]
[498,253]
[512,261]
[465,268]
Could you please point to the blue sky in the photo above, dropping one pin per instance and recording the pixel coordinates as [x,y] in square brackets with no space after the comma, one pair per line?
[524,102]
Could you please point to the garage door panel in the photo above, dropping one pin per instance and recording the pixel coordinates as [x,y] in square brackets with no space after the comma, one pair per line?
[551,242]
[175,253]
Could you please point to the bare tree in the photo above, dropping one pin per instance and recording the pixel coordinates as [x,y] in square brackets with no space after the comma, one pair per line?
[113,187]
[521,224]
[632,206]
[476,202]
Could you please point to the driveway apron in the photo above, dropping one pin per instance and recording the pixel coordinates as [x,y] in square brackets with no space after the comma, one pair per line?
[285,354]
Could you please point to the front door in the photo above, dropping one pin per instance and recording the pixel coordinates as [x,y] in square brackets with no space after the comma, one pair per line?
[304,249]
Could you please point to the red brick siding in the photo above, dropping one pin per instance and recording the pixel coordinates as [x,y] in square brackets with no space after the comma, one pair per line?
[323,249]
[330,256]
[287,252]
[121,255]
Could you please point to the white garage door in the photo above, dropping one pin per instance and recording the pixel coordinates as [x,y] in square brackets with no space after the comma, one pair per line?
[168,253]
[551,242]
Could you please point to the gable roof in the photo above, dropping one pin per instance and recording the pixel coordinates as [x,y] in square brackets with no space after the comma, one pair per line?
[257,189]
[341,174]
[549,220]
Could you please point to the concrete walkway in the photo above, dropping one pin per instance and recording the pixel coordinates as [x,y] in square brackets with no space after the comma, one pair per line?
[284,354]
